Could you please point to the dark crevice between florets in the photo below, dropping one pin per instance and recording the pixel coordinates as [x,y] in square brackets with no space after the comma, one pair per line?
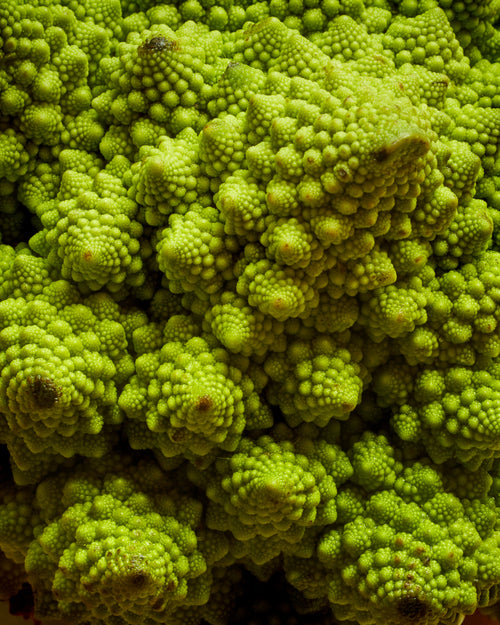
[413,609]
[273,602]
[23,604]
[5,467]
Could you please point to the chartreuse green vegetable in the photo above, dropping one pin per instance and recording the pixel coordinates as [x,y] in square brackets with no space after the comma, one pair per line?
[415,551]
[250,311]
[123,546]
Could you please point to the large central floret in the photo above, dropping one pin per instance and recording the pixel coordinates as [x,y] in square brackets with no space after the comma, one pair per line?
[187,400]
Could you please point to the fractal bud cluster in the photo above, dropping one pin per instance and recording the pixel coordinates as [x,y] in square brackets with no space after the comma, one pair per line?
[250,310]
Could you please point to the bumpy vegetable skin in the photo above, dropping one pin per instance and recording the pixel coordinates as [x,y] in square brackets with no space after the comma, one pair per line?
[250,310]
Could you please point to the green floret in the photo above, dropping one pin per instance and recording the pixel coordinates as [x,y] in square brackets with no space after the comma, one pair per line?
[117,140]
[484,80]
[461,170]
[335,174]
[242,329]
[346,39]
[280,292]
[455,413]
[72,65]
[260,160]
[187,399]
[474,24]
[421,85]
[261,111]
[374,462]
[242,206]
[92,237]
[48,73]
[314,383]
[393,310]
[83,131]
[300,57]
[120,545]
[82,161]
[261,43]
[167,178]
[161,75]
[194,254]
[94,40]
[107,15]
[157,53]
[23,274]
[477,126]
[290,242]
[144,132]
[40,185]
[222,144]
[359,275]
[270,490]
[12,99]
[410,529]
[378,17]
[333,315]
[60,368]
[233,89]
[393,383]
[18,519]
[14,157]
[462,318]
[466,237]
[409,256]
[427,39]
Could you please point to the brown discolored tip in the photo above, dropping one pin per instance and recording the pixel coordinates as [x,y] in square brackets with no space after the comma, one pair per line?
[413,609]
[406,146]
[157,44]
[204,403]
[44,391]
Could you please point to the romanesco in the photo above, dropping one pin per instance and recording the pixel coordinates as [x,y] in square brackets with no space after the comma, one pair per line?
[249,310]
